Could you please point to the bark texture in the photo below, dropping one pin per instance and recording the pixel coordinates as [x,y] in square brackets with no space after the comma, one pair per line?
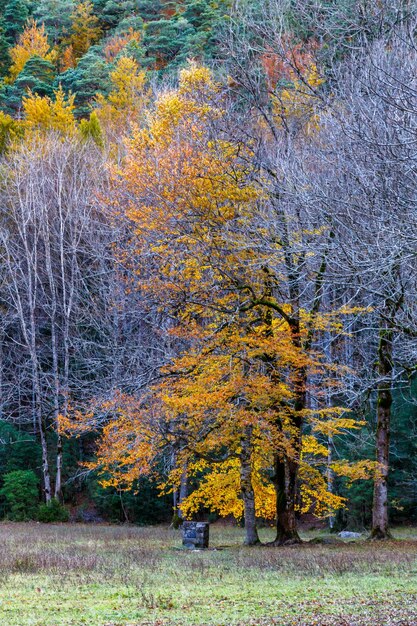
[248,494]
[380,529]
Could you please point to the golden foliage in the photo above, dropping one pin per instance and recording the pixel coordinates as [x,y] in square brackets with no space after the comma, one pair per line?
[67,59]
[127,98]
[244,363]
[42,113]
[32,42]
[10,131]
[85,29]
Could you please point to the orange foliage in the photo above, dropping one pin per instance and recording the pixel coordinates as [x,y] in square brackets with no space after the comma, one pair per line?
[117,43]
[67,59]
[292,64]
[190,198]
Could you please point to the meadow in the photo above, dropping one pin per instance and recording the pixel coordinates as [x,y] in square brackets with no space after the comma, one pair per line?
[53,575]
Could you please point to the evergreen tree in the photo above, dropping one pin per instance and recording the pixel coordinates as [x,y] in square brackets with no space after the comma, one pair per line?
[4,50]
[10,99]
[90,77]
[37,76]
[18,450]
[164,39]
[16,13]
[150,10]
[112,12]
[181,30]
[56,15]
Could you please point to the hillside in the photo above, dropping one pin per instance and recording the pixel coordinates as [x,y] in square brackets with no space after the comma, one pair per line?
[84,40]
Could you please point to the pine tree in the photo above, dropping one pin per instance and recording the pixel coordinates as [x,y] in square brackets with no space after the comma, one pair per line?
[89,78]
[112,12]
[4,50]
[16,14]
[37,76]
[56,16]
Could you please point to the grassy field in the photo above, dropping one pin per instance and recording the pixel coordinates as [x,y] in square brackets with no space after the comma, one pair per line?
[112,576]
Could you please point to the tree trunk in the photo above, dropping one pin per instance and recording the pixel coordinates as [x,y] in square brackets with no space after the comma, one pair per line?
[183,491]
[39,418]
[58,479]
[286,468]
[248,494]
[55,370]
[330,475]
[42,435]
[286,522]
[384,402]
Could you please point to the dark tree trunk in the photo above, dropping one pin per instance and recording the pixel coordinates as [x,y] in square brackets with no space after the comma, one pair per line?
[384,402]
[248,494]
[286,522]
[287,467]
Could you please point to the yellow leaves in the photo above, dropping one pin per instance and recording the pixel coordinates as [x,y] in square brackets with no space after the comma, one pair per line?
[76,424]
[127,99]
[170,111]
[334,425]
[129,440]
[43,113]
[67,59]
[219,490]
[196,78]
[10,131]
[189,106]
[359,470]
[32,42]
[332,321]
[85,29]
[310,445]
[128,82]
[190,198]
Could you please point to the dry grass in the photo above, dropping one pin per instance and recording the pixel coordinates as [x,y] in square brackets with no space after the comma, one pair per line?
[110,576]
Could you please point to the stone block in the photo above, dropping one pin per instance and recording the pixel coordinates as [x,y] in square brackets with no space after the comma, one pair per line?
[195,535]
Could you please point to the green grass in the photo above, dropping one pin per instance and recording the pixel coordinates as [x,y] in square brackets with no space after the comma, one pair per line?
[113,576]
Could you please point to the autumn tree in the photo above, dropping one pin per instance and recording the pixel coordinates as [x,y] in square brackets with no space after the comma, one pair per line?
[127,99]
[44,113]
[204,206]
[33,42]
[85,29]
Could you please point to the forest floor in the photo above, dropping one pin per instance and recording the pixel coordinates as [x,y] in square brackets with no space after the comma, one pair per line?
[53,575]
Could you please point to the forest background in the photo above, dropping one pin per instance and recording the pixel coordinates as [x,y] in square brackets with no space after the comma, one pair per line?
[208,261]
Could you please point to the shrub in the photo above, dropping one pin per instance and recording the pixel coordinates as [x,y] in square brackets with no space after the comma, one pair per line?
[21,493]
[52,512]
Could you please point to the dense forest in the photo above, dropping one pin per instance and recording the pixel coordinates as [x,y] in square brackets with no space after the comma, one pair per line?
[208,259]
